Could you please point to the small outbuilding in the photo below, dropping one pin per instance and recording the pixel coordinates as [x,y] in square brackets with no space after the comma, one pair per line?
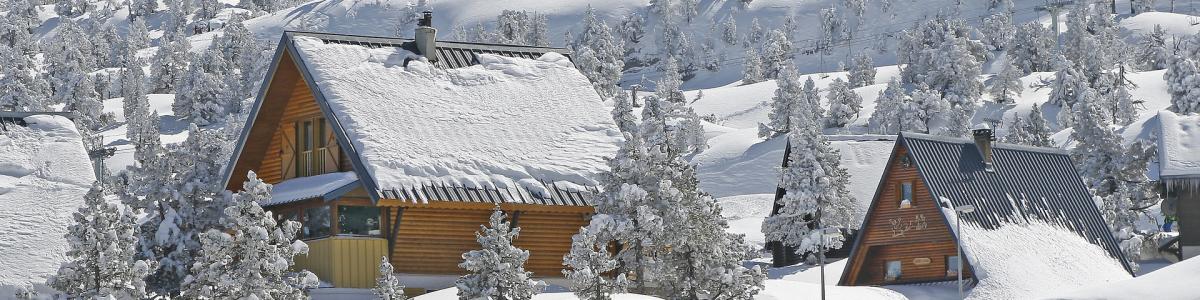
[1033,220]
[1179,175]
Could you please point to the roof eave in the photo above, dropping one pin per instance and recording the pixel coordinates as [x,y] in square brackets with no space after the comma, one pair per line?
[254,110]
[343,139]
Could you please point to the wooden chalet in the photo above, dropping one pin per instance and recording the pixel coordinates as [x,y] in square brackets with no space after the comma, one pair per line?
[377,157]
[907,236]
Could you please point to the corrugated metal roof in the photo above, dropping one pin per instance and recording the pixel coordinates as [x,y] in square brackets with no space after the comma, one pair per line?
[1027,183]
[450,55]
[554,195]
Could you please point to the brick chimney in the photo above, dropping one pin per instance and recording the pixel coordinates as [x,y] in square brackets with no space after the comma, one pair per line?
[426,36]
[983,142]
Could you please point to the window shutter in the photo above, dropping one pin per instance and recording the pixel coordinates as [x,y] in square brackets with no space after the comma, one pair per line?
[288,149]
[331,150]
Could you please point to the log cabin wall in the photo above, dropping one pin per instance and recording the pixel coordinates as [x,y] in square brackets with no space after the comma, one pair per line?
[916,236]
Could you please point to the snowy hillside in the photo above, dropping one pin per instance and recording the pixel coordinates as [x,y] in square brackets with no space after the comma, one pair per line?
[44,173]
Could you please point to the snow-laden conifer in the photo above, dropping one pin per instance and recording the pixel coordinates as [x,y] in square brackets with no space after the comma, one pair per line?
[1006,85]
[817,192]
[24,88]
[844,104]
[862,71]
[1183,84]
[776,53]
[387,286]
[1152,52]
[497,270]
[789,96]
[917,114]
[752,69]
[170,63]
[997,30]
[101,256]
[250,255]
[1029,130]
[589,263]
[1032,47]
[889,106]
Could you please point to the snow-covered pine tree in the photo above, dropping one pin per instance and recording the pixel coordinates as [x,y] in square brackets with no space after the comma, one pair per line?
[1032,47]
[997,31]
[84,103]
[24,88]
[69,56]
[102,246]
[1065,89]
[1141,6]
[686,135]
[752,69]
[387,286]
[497,270]
[199,92]
[607,51]
[1184,85]
[844,104]
[940,53]
[1152,51]
[1099,155]
[833,25]
[812,94]
[789,96]
[729,33]
[817,193]
[1030,130]
[589,261]
[250,255]
[138,36]
[756,33]
[71,8]
[777,53]
[886,119]
[862,71]
[170,63]
[1007,84]
[958,121]
[105,47]
[917,114]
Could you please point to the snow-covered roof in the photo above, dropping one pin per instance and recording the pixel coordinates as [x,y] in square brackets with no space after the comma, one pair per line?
[1178,145]
[327,186]
[1023,184]
[44,174]
[507,125]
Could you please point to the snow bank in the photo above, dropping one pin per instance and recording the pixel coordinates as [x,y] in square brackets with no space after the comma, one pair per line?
[1178,25]
[1026,260]
[44,173]
[1177,281]
[302,188]
[1179,144]
[507,122]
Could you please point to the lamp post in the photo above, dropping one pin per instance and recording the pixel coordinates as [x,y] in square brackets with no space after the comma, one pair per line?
[826,233]
[958,235]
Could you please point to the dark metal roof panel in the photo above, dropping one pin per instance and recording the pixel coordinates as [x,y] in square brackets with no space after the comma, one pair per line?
[554,195]
[1027,183]
[449,54]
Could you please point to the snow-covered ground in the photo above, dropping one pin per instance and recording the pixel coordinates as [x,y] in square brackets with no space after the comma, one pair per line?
[44,173]
[1177,281]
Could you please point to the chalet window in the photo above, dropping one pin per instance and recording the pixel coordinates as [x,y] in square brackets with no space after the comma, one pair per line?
[952,266]
[316,222]
[892,270]
[358,220]
[906,194]
[311,147]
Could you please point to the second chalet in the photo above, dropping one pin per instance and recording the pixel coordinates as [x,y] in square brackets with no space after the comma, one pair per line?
[1028,222]
[402,148]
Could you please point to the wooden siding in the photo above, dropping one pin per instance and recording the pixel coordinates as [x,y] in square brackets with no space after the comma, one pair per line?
[300,106]
[547,236]
[433,237]
[904,234]
[347,262]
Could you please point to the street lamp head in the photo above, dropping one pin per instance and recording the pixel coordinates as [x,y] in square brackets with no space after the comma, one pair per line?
[965,208]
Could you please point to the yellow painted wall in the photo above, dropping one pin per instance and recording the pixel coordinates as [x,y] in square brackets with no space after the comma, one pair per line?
[345,261]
